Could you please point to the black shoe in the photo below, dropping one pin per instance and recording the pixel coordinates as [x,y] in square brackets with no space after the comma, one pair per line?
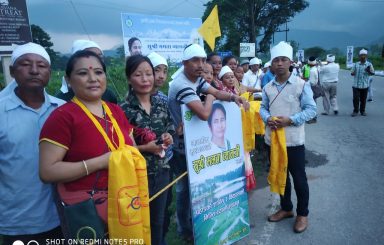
[324,113]
[363,114]
[336,112]
[354,114]
[370,100]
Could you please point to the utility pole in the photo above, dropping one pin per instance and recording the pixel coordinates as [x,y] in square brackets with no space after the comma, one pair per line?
[286,30]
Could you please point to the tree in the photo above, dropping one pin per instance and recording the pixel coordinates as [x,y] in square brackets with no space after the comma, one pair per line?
[244,20]
[39,36]
[318,52]
[120,52]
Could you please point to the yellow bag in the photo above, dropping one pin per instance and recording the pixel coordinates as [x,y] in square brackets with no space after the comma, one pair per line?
[279,162]
[128,197]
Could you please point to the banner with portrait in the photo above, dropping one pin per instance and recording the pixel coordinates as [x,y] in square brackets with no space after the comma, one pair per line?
[300,55]
[166,35]
[215,157]
[349,60]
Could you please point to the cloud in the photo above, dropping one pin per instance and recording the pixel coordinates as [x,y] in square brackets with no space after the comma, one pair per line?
[63,41]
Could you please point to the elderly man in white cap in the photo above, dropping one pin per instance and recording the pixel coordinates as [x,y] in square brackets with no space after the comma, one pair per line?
[329,76]
[253,75]
[66,93]
[185,88]
[27,210]
[288,103]
[361,71]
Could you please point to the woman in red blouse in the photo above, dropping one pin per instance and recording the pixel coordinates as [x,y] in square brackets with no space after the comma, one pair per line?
[73,153]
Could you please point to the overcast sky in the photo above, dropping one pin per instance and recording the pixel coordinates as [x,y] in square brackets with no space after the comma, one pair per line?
[66,20]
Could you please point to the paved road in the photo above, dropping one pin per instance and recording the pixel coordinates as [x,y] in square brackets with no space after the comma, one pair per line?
[346,179]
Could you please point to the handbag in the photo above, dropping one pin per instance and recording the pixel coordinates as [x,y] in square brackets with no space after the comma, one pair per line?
[81,219]
[317,89]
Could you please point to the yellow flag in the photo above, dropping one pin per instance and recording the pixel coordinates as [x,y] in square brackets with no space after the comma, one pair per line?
[210,29]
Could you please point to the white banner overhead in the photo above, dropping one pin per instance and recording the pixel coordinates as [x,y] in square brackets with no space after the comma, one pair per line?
[247,50]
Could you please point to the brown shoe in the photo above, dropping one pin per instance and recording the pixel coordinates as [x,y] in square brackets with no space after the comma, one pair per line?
[280,215]
[301,224]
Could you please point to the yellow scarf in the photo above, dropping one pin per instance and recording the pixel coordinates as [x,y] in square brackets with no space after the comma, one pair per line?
[128,198]
[259,125]
[279,162]
[247,95]
[252,124]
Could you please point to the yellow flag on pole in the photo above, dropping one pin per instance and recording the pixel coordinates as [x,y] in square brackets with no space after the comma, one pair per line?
[210,29]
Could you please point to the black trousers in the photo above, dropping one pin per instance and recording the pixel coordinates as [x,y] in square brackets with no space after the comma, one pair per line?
[296,167]
[359,97]
[156,182]
[40,238]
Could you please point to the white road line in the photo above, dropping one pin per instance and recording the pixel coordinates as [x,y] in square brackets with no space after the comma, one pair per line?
[269,227]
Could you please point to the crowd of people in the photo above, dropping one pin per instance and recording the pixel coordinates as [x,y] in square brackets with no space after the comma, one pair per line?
[57,150]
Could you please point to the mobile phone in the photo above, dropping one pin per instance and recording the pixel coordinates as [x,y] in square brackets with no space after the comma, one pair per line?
[159,141]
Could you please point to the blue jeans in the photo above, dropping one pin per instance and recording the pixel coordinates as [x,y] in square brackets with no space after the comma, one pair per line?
[183,203]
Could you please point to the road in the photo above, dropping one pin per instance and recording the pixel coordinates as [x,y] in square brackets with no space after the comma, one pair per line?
[346,179]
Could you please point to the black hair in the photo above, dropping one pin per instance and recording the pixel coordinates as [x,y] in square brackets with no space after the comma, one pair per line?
[131,41]
[133,62]
[82,54]
[228,58]
[209,57]
[216,106]
[210,65]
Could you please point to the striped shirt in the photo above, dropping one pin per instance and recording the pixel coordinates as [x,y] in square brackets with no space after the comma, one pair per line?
[183,91]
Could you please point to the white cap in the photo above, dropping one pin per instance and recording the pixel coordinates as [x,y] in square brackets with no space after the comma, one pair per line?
[84,44]
[194,50]
[29,48]
[312,60]
[363,51]
[243,62]
[268,64]
[255,61]
[330,58]
[282,49]
[224,70]
[157,59]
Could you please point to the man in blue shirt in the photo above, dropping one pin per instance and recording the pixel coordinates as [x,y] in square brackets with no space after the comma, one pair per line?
[27,207]
[287,102]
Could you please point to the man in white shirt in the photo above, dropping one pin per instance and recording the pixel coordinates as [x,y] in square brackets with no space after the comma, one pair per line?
[329,75]
[253,75]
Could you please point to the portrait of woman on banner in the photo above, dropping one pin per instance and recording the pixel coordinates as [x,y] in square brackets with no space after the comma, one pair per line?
[217,123]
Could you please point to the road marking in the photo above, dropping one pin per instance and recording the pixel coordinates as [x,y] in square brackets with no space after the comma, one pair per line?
[269,227]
